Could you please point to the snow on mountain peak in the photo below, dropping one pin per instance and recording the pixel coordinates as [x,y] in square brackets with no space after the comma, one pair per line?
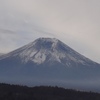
[37,51]
[48,50]
[47,39]
[47,42]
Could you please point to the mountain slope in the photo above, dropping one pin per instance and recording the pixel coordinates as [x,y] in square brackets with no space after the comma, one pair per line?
[45,50]
[48,61]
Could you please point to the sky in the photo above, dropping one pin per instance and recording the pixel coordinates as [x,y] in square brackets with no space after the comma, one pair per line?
[74,22]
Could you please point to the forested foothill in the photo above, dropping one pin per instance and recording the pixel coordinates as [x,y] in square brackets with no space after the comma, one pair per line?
[17,92]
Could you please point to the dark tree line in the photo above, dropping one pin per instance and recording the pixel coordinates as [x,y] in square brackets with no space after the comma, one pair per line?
[16,92]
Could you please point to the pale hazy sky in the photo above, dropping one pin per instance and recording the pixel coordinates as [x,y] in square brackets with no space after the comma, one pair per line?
[75,22]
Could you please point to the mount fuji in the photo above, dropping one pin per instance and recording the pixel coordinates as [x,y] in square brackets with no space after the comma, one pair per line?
[48,61]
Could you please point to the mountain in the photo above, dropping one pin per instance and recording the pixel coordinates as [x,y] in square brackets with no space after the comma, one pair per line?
[48,61]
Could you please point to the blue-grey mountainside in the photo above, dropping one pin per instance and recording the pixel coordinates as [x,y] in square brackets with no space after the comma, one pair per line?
[48,61]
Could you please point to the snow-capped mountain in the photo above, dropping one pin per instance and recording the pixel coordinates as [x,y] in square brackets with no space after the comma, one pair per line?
[48,61]
[45,50]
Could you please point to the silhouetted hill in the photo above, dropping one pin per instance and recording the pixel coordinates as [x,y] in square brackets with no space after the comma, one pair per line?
[16,92]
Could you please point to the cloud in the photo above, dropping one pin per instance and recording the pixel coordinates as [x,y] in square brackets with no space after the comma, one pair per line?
[75,22]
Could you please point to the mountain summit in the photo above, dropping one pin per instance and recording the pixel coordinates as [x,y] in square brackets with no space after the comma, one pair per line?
[47,61]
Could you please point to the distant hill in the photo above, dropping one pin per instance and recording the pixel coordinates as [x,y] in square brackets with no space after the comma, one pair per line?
[16,92]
